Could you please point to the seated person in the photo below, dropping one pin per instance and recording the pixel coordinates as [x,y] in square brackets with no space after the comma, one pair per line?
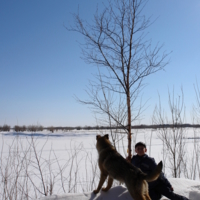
[147,164]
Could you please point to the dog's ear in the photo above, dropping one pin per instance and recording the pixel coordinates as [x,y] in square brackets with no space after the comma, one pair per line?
[97,137]
[106,136]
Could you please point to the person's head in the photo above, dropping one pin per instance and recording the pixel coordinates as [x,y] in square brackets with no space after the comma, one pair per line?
[140,148]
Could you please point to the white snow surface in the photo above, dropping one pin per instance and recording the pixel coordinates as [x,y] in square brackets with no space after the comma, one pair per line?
[61,142]
[185,187]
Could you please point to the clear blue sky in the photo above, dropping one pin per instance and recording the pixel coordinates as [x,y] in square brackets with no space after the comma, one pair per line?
[41,69]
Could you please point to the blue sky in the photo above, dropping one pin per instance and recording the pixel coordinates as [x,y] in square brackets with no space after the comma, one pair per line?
[41,69]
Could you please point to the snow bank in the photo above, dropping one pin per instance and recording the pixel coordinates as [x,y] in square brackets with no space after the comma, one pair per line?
[185,187]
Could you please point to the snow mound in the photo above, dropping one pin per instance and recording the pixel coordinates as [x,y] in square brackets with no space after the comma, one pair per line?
[185,187]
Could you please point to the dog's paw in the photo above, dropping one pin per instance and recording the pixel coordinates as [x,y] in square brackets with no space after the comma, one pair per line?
[95,191]
[104,189]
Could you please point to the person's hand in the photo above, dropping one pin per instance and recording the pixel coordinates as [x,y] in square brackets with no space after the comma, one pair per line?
[172,189]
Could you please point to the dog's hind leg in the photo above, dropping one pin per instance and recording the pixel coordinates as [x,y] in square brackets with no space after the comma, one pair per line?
[135,194]
[147,197]
[109,185]
[101,182]
[146,190]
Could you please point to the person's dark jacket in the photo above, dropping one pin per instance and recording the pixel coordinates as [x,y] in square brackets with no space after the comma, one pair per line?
[147,165]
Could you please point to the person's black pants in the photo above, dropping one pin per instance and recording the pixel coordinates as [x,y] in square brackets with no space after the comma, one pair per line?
[160,190]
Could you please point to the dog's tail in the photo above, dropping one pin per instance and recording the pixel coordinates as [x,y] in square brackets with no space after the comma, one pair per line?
[155,174]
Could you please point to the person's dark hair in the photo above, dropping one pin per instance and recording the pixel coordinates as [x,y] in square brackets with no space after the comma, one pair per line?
[140,144]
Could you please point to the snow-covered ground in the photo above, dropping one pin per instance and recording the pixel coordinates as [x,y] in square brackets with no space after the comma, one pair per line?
[185,187]
[57,151]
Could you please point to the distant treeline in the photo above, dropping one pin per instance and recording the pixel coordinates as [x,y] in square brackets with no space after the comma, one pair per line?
[142,126]
[35,128]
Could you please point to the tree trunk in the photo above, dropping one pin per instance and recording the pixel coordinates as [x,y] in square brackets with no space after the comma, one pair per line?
[129,125]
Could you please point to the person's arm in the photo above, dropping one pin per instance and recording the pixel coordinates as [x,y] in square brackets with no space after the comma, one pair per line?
[152,164]
[165,181]
[162,177]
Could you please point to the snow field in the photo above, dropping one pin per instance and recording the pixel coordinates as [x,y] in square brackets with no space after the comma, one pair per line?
[74,154]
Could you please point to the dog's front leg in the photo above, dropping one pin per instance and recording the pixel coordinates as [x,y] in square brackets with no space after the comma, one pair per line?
[101,182]
[109,185]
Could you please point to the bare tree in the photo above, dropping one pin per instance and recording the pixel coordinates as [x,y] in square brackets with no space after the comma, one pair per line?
[193,166]
[173,138]
[116,43]
[196,107]
[29,171]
